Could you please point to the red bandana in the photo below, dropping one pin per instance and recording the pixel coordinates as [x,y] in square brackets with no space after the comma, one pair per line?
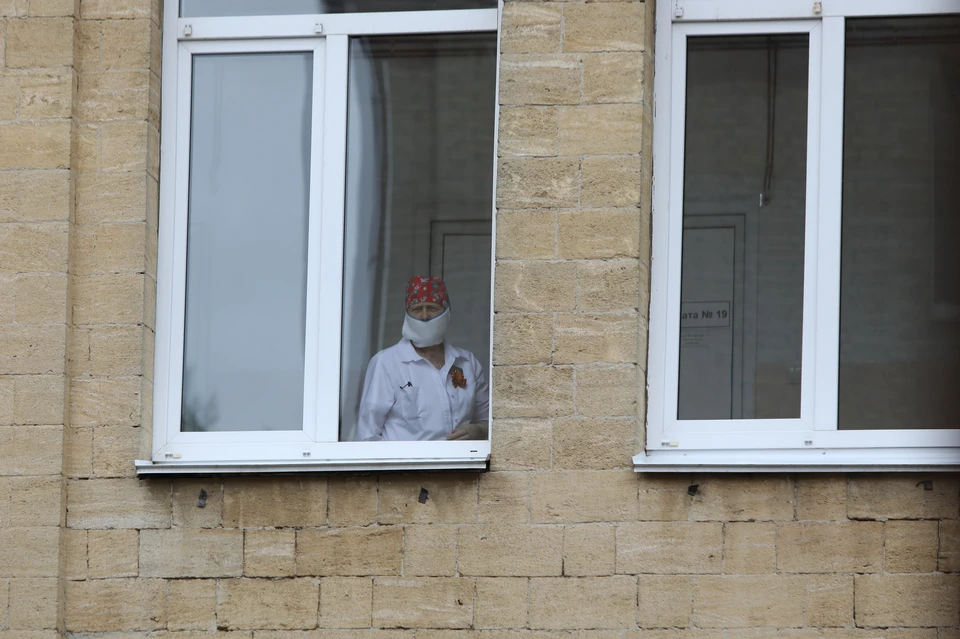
[422,289]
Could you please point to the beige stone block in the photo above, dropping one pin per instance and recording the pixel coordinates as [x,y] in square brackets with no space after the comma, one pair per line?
[670,547]
[601,602]
[536,182]
[35,247]
[821,497]
[116,351]
[608,285]
[113,95]
[911,546]
[522,339]
[41,299]
[510,551]
[36,501]
[589,550]
[528,131]
[587,339]
[74,554]
[32,350]
[504,498]
[125,44]
[38,399]
[451,499]
[110,248]
[346,602]
[749,548]
[100,402]
[830,547]
[124,146]
[949,553]
[113,553]
[187,511]
[4,603]
[608,390]
[113,9]
[583,497]
[535,286]
[39,42]
[87,147]
[86,56]
[29,552]
[612,78]
[614,26]
[192,604]
[52,8]
[35,144]
[108,299]
[529,234]
[114,449]
[829,600]
[735,601]
[582,443]
[540,79]
[429,550]
[46,94]
[735,498]
[30,450]
[603,234]
[9,92]
[352,501]
[530,28]
[521,444]
[293,603]
[349,551]
[33,603]
[607,129]
[44,195]
[269,553]
[438,602]
[538,391]
[665,600]
[103,605]
[8,295]
[118,503]
[907,600]
[501,602]
[610,181]
[277,501]
[8,395]
[191,553]
[78,456]
[900,496]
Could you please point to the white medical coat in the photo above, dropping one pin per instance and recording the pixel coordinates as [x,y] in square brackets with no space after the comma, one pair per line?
[406,398]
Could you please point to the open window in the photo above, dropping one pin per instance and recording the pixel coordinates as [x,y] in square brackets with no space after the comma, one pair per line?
[316,155]
[802,312]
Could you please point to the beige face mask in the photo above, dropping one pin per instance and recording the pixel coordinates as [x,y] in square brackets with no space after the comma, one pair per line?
[423,333]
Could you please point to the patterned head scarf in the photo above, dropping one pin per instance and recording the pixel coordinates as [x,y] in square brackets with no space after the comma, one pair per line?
[427,288]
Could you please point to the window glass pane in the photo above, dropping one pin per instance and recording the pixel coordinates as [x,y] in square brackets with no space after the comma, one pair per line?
[419,202]
[744,201]
[209,8]
[900,266]
[247,242]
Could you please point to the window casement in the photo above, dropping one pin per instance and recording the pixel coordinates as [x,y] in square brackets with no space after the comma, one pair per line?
[291,130]
[805,302]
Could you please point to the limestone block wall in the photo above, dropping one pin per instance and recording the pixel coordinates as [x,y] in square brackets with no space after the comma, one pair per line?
[560,540]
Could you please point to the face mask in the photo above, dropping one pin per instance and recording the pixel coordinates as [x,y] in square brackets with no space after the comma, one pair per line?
[423,333]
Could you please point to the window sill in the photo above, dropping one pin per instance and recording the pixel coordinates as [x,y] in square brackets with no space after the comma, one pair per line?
[808,461]
[147,467]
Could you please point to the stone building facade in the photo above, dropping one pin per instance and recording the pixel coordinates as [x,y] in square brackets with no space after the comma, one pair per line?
[561,539]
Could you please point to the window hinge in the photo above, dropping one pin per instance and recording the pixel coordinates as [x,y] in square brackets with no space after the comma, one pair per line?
[817,8]
[677,10]
[188,30]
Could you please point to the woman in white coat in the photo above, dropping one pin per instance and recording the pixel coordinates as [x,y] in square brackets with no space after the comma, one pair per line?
[423,388]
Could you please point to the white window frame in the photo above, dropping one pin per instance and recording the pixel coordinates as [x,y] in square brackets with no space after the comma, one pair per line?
[811,442]
[316,447]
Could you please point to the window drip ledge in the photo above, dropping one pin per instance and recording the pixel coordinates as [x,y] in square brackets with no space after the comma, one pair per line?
[147,467]
[796,460]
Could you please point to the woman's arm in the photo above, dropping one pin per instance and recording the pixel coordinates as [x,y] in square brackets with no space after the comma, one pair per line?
[375,403]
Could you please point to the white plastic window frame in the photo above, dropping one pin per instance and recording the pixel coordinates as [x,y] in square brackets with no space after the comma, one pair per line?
[316,446]
[811,442]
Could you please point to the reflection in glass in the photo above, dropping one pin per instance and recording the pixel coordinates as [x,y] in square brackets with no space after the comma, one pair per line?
[900,267]
[744,201]
[419,192]
[212,8]
[247,242]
